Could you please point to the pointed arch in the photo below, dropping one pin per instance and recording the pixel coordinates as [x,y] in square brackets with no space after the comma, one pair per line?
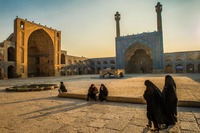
[11,54]
[40,54]
[138,59]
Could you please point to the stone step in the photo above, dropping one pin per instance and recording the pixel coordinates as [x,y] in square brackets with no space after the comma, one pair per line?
[139,100]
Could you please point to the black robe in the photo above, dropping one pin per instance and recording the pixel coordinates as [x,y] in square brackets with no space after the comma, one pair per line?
[170,99]
[63,88]
[103,94]
[155,105]
[92,91]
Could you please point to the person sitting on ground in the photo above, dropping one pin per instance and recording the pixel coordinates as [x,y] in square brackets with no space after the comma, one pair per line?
[92,91]
[103,93]
[62,88]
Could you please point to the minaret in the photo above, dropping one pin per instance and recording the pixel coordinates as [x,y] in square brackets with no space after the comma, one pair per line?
[159,18]
[117,18]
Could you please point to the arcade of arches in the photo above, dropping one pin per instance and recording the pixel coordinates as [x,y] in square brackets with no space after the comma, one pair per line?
[179,68]
[138,60]
[182,62]
[40,54]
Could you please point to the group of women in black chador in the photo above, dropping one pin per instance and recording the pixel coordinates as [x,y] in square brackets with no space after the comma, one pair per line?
[161,106]
[93,91]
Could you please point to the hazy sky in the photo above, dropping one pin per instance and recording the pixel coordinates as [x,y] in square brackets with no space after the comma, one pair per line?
[88,26]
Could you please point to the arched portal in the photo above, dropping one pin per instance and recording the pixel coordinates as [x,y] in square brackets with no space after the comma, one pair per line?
[11,54]
[168,68]
[40,54]
[190,68]
[179,68]
[138,59]
[11,72]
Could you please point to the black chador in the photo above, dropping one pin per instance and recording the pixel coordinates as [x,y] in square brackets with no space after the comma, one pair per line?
[155,105]
[170,99]
[103,93]
[62,88]
[92,91]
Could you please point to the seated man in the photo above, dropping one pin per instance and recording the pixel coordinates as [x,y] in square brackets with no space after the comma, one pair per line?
[92,91]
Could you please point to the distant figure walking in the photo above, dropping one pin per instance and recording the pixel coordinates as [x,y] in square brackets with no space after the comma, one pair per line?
[92,91]
[170,99]
[62,88]
[103,93]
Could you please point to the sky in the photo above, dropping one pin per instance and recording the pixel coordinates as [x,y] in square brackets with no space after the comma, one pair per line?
[88,27]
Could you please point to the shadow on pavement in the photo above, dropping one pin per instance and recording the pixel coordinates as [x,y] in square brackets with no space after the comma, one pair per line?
[58,109]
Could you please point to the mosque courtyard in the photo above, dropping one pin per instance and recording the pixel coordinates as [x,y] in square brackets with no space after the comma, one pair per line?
[44,111]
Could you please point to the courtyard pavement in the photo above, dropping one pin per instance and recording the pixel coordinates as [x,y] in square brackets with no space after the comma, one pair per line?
[44,111]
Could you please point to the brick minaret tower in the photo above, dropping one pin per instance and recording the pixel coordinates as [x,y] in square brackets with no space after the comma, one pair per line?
[117,18]
[159,18]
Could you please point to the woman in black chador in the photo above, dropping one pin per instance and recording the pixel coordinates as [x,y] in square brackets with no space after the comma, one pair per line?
[62,88]
[103,93]
[155,105]
[170,99]
[92,91]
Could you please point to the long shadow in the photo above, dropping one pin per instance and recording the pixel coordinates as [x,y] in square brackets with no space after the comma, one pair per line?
[51,108]
[30,100]
[78,104]
[59,109]
[72,106]
[36,99]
